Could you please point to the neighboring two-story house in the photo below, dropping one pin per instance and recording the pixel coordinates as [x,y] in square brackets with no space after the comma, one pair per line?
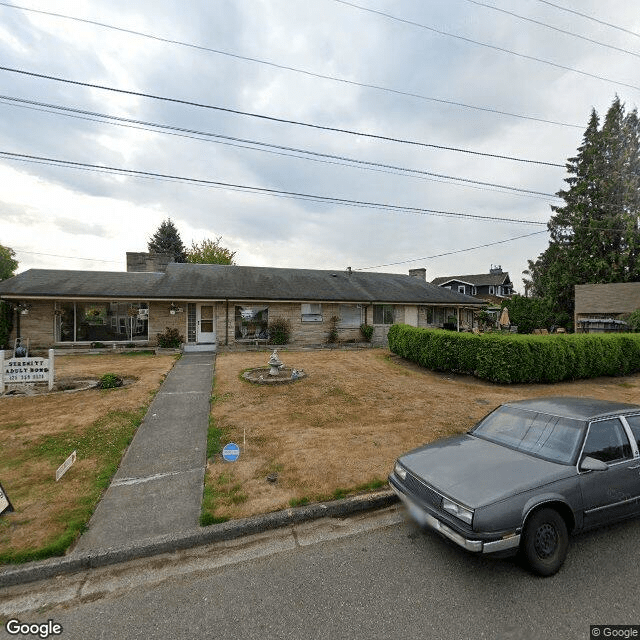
[492,287]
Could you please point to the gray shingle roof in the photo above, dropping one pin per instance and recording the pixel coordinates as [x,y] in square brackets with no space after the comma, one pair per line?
[479,279]
[198,281]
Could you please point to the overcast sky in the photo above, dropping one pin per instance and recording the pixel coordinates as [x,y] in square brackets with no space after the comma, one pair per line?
[80,218]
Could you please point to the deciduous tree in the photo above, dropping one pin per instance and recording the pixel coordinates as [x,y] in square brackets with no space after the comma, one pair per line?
[210,252]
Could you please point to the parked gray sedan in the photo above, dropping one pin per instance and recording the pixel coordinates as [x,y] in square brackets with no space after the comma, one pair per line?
[526,476]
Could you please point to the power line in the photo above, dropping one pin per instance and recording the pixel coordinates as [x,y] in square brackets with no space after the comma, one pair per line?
[262,190]
[283,67]
[274,119]
[256,145]
[450,253]
[549,26]
[54,255]
[487,45]
[584,15]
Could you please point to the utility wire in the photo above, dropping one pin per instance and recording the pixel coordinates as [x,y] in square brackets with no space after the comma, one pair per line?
[450,253]
[584,15]
[261,190]
[283,67]
[549,26]
[274,119]
[55,255]
[487,45]
[256,145]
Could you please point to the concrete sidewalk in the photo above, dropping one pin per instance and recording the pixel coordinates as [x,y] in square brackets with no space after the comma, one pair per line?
[158,488]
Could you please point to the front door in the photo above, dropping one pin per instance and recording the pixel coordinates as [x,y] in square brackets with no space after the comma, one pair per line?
[205,327]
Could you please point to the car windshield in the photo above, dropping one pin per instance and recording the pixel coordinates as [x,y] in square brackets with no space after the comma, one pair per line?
[538,434]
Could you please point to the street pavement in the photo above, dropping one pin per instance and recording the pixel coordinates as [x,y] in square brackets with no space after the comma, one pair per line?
[376,575]
[158,488]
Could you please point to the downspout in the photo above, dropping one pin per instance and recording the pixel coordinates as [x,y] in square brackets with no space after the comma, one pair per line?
[458,316]
[226,324]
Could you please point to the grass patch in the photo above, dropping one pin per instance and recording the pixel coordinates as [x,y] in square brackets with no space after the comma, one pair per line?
[104,442]
[221,491]
[37,433]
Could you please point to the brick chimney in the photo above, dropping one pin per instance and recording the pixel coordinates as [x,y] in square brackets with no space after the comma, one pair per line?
[148,261]
[418,273]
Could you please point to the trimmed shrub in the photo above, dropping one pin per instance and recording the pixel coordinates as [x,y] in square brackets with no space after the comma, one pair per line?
[367,331]
[170,338]
[279,331]
[110,381]
[509,358]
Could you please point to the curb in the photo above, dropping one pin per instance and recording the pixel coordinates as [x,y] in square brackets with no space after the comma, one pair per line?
[33,571]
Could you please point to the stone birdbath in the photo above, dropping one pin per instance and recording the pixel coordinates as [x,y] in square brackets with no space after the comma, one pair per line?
[274,373]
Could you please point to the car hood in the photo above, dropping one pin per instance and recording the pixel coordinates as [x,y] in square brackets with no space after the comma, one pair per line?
[477,472]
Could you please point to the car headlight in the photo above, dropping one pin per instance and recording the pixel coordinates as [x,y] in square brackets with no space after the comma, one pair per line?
[466,515]
[400,471]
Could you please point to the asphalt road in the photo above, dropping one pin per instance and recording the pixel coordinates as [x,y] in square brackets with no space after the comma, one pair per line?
[378,578]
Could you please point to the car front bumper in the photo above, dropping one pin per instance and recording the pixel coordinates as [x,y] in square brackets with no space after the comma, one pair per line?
[424,518]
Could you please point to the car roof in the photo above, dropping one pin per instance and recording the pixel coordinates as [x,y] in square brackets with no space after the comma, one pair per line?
[577,408]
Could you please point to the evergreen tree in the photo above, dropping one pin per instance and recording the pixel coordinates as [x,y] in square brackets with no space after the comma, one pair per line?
[167,240]
[210,252]
[594,235]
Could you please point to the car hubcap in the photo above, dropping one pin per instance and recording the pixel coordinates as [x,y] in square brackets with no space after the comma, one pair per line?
[546,540]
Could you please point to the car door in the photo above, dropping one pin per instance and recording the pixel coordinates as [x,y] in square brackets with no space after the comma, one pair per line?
[612,494]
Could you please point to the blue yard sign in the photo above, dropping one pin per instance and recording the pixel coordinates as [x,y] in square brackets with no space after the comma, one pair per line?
[231,452]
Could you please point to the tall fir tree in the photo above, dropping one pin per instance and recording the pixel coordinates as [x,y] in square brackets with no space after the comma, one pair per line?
[594,235]
[167,240]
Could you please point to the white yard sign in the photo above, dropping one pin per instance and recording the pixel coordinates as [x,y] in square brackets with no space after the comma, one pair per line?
[64,467]
[22,370]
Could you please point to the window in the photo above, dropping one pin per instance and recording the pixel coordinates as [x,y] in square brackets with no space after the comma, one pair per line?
[252,323]
[491,291]
[101,321]
[460,288]
[350,316]
[607,441]
[634,423]
[311,312]
[382,314]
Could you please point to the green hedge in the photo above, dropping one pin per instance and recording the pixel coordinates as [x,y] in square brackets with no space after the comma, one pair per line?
[511,358]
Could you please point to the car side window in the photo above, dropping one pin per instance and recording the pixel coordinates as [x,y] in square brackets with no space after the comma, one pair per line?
[607,441]
[634,423]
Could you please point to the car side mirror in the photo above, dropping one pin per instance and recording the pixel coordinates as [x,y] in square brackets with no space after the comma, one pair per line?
[591,464]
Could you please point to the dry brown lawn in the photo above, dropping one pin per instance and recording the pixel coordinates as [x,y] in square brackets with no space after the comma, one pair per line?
[33,433]
[346,423]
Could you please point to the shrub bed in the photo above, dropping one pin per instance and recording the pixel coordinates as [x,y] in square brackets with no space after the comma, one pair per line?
[511,358]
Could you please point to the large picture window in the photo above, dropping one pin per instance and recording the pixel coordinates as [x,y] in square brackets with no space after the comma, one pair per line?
[252,323]
[102,321]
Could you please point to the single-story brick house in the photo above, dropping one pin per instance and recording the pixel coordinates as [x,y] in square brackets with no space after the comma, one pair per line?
[600,308]
[221,305]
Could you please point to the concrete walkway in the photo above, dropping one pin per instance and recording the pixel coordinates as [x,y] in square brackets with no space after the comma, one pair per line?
[158,488]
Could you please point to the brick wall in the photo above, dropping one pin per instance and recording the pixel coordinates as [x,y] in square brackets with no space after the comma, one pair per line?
[38,326]
[160,318]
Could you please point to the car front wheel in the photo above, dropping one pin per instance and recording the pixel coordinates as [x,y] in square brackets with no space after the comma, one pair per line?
[545,542]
